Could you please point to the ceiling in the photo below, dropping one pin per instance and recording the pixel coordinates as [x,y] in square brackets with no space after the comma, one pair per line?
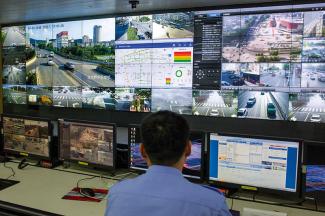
[19,11]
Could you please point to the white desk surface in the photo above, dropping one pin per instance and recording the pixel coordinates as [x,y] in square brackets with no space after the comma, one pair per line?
[43,189]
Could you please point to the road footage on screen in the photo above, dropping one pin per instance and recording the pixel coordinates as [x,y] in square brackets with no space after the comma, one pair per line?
[271,64]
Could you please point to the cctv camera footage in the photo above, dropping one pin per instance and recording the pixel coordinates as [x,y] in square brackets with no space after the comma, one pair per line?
[26,135]
[87,143]
[261,62]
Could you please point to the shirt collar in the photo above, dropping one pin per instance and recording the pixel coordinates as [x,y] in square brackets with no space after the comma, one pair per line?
[164,170]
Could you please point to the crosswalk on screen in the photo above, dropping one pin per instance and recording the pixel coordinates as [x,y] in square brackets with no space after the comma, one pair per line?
[261,63]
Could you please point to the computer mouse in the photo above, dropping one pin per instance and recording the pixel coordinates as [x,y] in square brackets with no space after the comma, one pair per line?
[87,192]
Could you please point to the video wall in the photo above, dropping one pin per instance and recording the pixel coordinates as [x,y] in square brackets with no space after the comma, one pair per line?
[264,63]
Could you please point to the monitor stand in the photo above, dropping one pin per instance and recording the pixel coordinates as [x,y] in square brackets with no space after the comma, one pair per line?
[5,183]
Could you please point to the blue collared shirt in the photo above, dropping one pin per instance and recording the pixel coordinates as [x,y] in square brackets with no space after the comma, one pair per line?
[163,191]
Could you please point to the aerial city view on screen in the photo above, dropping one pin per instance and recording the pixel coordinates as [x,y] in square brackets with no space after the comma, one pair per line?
[269,63]
[91,144]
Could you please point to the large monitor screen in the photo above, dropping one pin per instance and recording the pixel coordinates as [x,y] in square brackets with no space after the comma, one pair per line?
[87,143]
[258,62]
[193,165]
[262,163]
[26,136]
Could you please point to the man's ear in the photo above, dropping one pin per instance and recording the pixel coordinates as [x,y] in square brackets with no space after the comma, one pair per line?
[143,152]
[188,149]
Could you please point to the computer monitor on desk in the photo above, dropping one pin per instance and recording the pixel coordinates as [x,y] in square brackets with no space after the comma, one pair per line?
[88,143]
[255,163]
[27,136]
[193,167]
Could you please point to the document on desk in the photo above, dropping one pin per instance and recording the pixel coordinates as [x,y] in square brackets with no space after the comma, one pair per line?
[258,212]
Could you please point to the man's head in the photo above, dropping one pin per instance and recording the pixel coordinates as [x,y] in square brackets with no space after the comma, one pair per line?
[165,139]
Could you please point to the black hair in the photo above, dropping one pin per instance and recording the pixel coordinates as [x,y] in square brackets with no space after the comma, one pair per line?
[165,135]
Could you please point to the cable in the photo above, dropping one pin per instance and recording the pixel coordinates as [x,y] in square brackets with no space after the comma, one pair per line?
[85,195]
[88,178]
[13,173]
[316,206]
[232,203]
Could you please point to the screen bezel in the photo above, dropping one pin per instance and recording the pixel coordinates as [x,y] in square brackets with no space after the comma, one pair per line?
[87,163]
[25,153]
[230,185]
[317,195]
[192,177]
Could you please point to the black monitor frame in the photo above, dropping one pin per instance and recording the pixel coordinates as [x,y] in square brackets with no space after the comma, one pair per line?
[88,163]
[24,153]
[192,177]
[317,195]
[229,185]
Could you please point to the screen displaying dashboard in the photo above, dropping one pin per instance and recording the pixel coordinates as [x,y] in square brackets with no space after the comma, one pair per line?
[263,63]
[263,163]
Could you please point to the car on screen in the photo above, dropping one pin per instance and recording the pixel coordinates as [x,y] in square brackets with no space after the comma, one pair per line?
[225,83]
[69,66]
[109,103]
[214,112]
[46,100]
[271,110]
[51,54]
[315,118]
[242,113]
[50,62]
[321,78]
[251,101]
[123,105]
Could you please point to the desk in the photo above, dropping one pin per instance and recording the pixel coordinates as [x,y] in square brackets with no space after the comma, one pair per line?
[43,189]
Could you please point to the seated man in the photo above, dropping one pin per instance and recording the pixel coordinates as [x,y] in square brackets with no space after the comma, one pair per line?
[163,191]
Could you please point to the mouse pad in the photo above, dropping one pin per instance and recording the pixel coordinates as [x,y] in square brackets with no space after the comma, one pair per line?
[74,194]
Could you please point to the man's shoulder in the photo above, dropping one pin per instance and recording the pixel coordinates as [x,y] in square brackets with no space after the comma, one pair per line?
[125,185]
[208,197]
[208,194]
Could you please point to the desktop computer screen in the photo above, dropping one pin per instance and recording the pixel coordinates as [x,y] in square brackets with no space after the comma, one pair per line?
[193,165]
[26,136]
[87,143]
[261,163]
